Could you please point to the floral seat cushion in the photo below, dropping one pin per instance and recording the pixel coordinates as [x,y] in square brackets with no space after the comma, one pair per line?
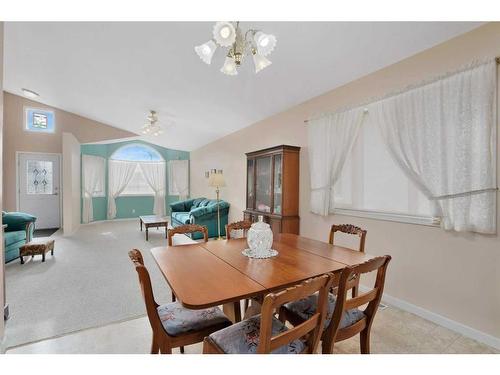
[177,320]
[306,307]
[243,337]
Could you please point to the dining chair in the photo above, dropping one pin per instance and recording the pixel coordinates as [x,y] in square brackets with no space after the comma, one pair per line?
[350,229]
[187,229]
[344,319]
[173,325]
[265,334]
[243,225]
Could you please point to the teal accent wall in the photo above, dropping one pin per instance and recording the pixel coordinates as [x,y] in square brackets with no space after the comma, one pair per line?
[128,207]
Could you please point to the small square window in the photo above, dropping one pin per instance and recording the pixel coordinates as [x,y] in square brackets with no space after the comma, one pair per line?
[39,120]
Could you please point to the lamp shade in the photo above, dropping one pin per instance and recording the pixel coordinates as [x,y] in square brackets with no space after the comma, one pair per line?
[216,180]
[229,67]
[224,33]
[206,51]
[260,62]
[265,43]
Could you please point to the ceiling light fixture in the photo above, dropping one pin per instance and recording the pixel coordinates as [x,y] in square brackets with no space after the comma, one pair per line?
[30,93]
[152,126]
[253,43]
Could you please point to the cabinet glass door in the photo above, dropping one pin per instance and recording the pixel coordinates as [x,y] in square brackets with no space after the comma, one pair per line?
[277,184]
[250,183]
[263,184]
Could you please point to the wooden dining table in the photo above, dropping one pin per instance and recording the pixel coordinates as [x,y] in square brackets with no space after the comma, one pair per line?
[216,273]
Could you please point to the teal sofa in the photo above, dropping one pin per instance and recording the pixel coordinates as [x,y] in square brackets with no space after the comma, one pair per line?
[201,211]
[19,230]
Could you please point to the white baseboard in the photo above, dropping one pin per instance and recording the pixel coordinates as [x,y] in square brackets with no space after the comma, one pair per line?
[453,325]
[106,220]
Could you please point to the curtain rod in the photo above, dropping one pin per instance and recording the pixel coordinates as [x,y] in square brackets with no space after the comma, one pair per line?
[497,59]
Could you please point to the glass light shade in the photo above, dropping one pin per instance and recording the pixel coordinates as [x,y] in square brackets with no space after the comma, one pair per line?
[265,43]
[224,33]
[229,67]
[216,180]
[260,62]
[206,51]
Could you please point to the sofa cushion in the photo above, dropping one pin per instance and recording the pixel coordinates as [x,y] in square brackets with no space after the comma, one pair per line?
[17,220]
[13,237]
[197,201]
[306,307]
[177,320]
[243,337]
[182,217]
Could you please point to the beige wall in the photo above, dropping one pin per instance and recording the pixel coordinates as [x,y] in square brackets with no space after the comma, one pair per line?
[454,275]
[1,202]
[70,183]
[17,139]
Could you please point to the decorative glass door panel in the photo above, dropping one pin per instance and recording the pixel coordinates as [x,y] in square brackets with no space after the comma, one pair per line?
[39,177]
[250,183]
[263,175]
[277,184]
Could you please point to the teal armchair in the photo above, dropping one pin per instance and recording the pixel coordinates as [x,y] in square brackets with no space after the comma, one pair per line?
[201,211]
[19,231]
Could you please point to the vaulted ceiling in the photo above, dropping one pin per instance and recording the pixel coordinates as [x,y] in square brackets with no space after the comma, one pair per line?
[116,72]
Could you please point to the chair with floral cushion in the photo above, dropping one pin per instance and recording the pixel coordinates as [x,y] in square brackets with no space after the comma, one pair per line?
[186,229]
[266,334]
[344,319]
[173,325]
[350,229]
[243,225]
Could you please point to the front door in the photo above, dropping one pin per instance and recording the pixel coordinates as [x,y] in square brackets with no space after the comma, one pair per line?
[39,188]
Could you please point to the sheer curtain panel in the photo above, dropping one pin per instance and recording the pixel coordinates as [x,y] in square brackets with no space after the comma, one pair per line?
[178,178]
[119,175]
[443,136]
[330,139]
[154,173]
[93,169]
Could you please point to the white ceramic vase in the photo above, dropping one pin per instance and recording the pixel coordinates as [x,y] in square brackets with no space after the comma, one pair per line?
[260,239]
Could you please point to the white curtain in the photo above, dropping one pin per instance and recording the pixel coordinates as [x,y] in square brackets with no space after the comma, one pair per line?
[330,139]
[93,169]
[154,173]
[178,178]
[443,136]
[119,175]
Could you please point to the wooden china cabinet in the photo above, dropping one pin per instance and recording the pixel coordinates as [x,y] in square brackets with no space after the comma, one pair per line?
[273,187]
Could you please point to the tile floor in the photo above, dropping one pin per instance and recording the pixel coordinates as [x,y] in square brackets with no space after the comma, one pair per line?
[394,331]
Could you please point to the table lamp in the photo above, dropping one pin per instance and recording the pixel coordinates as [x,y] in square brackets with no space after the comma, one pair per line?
[216,180]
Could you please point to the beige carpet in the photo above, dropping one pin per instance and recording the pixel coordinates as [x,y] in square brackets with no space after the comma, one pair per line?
[89,282]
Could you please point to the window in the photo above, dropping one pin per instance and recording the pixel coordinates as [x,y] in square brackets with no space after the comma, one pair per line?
[138,184]
[39,120]
[371,182]
[137,152]
[93,175]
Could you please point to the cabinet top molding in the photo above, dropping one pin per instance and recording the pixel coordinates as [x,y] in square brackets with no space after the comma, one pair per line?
[275,148]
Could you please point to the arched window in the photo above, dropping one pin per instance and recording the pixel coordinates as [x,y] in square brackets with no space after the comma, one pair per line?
[136,152]
[140,153]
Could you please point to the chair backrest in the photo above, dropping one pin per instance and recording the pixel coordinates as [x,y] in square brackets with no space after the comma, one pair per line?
[185,229]
[349,229]
[239,225]
[312,327]
[146,289]
[371,297]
